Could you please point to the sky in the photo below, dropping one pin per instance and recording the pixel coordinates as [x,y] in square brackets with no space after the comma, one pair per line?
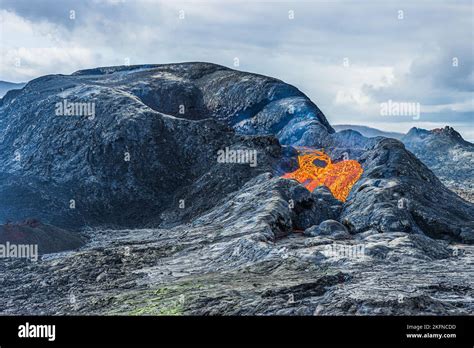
[349,57]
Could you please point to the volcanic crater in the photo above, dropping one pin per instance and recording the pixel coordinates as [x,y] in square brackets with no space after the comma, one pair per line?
[174,231]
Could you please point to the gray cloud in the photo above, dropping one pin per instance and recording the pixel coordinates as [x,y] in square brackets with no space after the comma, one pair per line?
[389,58]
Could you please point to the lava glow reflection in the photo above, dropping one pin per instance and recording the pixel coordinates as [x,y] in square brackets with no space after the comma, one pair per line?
[316,168]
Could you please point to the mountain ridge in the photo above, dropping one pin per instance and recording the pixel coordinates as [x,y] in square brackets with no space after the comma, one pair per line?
[221,106]
[170,229]
[6,86]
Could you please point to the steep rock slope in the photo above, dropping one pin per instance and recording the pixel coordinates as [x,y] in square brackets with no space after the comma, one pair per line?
[447,154]
[397,192]
[443,150]
[171,120]
[51,163]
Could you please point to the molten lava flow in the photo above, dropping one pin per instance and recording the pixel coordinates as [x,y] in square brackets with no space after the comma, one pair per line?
[316,168]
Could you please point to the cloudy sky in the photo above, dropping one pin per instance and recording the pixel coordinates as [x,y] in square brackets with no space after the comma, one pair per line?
[347,56]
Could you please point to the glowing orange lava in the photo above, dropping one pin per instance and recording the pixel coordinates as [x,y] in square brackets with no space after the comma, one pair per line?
[316,168]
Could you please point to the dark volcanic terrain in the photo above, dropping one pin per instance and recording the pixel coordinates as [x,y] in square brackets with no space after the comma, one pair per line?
[172,230]
[448,155]
[443,150]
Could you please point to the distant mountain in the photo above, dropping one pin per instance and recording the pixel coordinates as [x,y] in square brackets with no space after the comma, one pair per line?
[7,86]
[368,131]
[438,138]
[443,150]
[447,154]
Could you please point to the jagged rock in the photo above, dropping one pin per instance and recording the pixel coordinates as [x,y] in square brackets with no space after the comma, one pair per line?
[447,154]
[328,228]
[172,156]
[272,207]
[443,150]
[312,208]
[397,193]
[400,246]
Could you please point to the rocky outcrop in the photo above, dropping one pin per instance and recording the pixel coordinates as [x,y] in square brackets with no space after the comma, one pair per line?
[136,157]
[328,228]
[392,197]
[173,229]
[148,155]
[447,154]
